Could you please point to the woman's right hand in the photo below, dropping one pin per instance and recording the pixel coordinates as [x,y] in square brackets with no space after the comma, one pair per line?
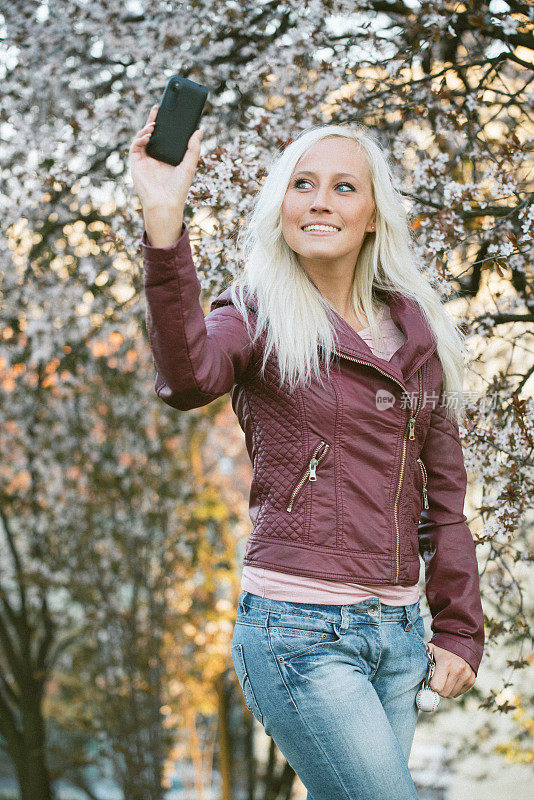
[160,185]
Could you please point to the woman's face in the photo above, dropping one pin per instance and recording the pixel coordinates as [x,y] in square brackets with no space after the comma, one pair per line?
[330,184]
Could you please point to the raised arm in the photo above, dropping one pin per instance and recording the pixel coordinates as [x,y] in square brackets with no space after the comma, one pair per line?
[197,359]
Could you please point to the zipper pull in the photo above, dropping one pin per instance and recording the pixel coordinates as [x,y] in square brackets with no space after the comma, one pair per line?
[411,424]
[425,497]
[313,467]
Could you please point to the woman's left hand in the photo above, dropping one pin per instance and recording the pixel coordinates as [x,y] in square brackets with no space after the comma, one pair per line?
[452,676]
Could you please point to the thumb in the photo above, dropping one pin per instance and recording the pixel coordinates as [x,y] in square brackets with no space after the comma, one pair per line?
[432,649]
[192,154]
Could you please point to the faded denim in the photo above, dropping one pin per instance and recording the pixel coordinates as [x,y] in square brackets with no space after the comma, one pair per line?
[335,687]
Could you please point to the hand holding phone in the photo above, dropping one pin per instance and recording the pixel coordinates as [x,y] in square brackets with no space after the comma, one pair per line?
[159,184]
[162,188]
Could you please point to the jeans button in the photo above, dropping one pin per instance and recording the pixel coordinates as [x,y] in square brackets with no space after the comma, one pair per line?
[373,609]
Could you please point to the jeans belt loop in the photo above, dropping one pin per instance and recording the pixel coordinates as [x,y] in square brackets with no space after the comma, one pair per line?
[344,623]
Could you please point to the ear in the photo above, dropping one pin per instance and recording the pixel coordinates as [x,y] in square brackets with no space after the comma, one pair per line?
[371,225]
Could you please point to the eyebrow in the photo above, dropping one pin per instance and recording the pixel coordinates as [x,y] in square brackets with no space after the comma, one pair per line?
[336,175]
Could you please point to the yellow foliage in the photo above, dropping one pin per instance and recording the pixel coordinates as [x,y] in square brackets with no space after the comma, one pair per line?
[512,750]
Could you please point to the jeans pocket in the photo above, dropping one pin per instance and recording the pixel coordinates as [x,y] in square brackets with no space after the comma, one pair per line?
[288,640]
[418,628]
[238,658]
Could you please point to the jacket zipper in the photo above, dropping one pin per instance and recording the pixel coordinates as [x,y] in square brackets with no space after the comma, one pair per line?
[424,489]
[310,471]
[409,433]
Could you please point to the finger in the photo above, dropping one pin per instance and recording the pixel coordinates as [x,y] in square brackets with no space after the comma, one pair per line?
[153,113]
[453,684]
[139,143]
[149,127]
[438,682]
[462,685]
[457,688]
[192,154]
[142,137]
[437,687]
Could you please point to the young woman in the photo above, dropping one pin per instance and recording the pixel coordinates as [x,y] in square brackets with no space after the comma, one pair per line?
[339,355]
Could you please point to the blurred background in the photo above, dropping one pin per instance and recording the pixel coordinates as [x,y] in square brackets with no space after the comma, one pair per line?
[123,522]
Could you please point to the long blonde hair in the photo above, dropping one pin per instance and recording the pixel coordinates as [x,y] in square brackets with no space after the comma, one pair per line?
[295,315]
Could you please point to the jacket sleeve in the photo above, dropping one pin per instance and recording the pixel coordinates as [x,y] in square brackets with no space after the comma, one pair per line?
[197,358]
[447,547]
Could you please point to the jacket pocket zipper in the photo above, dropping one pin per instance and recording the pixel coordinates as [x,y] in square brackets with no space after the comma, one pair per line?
[310,473]
[424,492]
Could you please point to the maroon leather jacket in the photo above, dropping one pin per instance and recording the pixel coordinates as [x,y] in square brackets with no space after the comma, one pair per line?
[351,482]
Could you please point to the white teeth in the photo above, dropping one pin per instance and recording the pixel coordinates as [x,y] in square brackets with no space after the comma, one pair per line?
[319,228]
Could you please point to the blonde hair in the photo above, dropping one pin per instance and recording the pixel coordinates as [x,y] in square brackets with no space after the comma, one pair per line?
[295,315]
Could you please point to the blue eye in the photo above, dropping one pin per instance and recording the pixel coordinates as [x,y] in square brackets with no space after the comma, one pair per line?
[304,180]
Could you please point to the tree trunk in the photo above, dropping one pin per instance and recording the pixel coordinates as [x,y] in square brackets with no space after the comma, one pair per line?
[32,773]
[225,751]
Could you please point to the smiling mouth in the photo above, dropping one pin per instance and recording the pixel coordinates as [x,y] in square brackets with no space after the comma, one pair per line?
[322,231]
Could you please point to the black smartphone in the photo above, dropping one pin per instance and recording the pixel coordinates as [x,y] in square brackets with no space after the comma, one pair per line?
[178,116]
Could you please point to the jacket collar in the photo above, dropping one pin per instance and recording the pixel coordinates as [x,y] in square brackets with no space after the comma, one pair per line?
[418,347]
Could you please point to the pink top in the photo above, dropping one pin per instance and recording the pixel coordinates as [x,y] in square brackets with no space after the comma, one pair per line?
[298,588]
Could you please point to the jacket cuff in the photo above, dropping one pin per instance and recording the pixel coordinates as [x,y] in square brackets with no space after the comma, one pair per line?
[459,647]
[162,264]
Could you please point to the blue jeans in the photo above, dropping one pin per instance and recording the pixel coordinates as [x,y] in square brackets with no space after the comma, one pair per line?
[335,687]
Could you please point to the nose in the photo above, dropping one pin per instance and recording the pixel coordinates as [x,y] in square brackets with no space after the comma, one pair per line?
[320,201]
